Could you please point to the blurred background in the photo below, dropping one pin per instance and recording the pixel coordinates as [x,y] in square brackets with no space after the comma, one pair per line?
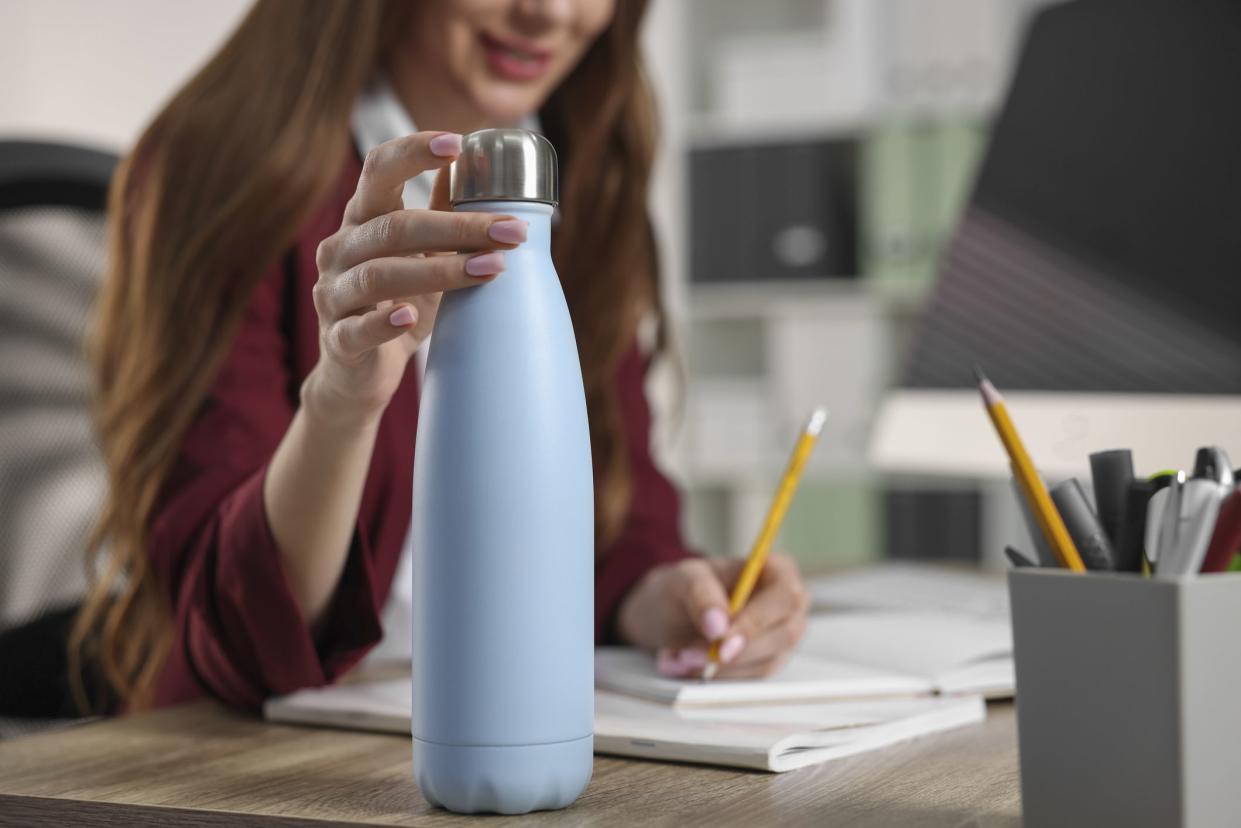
[817,159]
[855,127]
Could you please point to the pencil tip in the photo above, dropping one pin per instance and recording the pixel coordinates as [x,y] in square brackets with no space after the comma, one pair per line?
[990,396]
[709,671]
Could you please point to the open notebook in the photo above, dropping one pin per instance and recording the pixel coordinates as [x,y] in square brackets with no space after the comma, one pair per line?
[774,737]
[913,587]
[847,655]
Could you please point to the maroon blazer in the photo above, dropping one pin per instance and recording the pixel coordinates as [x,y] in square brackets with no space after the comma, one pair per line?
[237,632]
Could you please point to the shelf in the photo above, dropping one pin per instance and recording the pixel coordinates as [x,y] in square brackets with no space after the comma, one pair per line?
[779,299]
[766,474]
[731,300]
[709,131]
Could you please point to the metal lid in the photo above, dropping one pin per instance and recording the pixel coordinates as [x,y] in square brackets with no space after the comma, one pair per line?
[504,165]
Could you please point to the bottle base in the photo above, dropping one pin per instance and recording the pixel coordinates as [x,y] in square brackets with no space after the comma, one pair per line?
[510,779]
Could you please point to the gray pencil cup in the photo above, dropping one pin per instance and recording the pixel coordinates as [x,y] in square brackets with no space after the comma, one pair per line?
[1128,698]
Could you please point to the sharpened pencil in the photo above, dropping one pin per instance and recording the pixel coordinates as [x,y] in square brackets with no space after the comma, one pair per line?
[1031,485]
[771,526]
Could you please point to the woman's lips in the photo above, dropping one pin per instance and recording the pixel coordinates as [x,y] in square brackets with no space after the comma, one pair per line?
[513,61]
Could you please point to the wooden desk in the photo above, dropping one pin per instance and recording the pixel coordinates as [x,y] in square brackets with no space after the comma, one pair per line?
[201,765]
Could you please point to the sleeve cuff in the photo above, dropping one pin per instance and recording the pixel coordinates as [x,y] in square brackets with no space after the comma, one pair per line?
[618,571]
[259,643]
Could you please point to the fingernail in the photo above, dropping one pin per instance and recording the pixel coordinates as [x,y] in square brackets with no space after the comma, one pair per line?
[485,264]
[402,317]
[693,658]
[668,663]
[509,231]
[714,623]
[446,145]
[732,647]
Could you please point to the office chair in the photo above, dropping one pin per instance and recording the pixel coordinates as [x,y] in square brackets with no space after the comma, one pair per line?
[52,482]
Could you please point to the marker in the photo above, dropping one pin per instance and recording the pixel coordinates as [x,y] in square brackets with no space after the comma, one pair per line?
[1131,542]
[1111,472]
[1083,524]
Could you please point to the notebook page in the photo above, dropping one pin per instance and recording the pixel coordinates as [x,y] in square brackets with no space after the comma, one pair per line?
[804,676]
[381,706]
[993,679]
[768,737]
[913,587]
[940,714]
[765,737]
[931,645]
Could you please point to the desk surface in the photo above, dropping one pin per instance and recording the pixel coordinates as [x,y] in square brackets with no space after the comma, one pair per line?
[212,767]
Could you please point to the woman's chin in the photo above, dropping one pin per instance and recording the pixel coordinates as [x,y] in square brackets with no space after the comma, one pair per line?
[509,108]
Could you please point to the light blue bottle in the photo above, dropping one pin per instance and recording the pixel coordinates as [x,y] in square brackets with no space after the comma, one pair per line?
[503,523]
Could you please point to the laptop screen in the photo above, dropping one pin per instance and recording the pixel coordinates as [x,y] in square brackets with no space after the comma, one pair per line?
[1101,249]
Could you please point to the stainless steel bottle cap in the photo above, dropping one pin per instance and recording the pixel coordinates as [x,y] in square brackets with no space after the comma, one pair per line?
[505,165]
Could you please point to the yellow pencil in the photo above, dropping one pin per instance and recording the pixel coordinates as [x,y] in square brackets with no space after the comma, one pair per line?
[771,526]
[1028,479]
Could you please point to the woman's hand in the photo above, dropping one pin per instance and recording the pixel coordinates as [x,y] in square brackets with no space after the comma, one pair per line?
[381,275]
[678,609]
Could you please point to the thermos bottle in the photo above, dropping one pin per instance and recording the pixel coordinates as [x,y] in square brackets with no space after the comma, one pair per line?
[503,523]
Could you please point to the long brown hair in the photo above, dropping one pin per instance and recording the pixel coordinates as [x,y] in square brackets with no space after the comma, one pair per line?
[199,209]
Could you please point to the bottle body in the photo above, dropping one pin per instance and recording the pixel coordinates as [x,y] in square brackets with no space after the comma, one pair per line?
[503,544]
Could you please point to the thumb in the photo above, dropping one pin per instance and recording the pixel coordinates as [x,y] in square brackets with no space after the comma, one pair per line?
[440,195]
[706,601]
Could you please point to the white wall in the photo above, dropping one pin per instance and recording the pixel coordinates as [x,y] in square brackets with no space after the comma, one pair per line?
[95,71]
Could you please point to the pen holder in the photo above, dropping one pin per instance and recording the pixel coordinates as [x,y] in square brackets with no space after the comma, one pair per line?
[1128,698]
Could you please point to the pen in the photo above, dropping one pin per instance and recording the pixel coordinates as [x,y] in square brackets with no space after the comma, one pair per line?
[1161,518]
[1212,463]
[1032,486]
[1226,541]
[1187,524]
[775,516]
[1159,482]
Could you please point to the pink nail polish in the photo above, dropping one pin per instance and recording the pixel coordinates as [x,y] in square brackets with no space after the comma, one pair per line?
[732,647]
[402,317]
[509,231]
[668,663]
[693,658]
[485,264]
[446,145]
[714,623]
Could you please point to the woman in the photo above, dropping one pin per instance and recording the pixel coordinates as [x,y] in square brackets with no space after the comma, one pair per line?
[258,338]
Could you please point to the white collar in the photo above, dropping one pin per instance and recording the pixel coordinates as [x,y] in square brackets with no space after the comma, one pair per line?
[379,116]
